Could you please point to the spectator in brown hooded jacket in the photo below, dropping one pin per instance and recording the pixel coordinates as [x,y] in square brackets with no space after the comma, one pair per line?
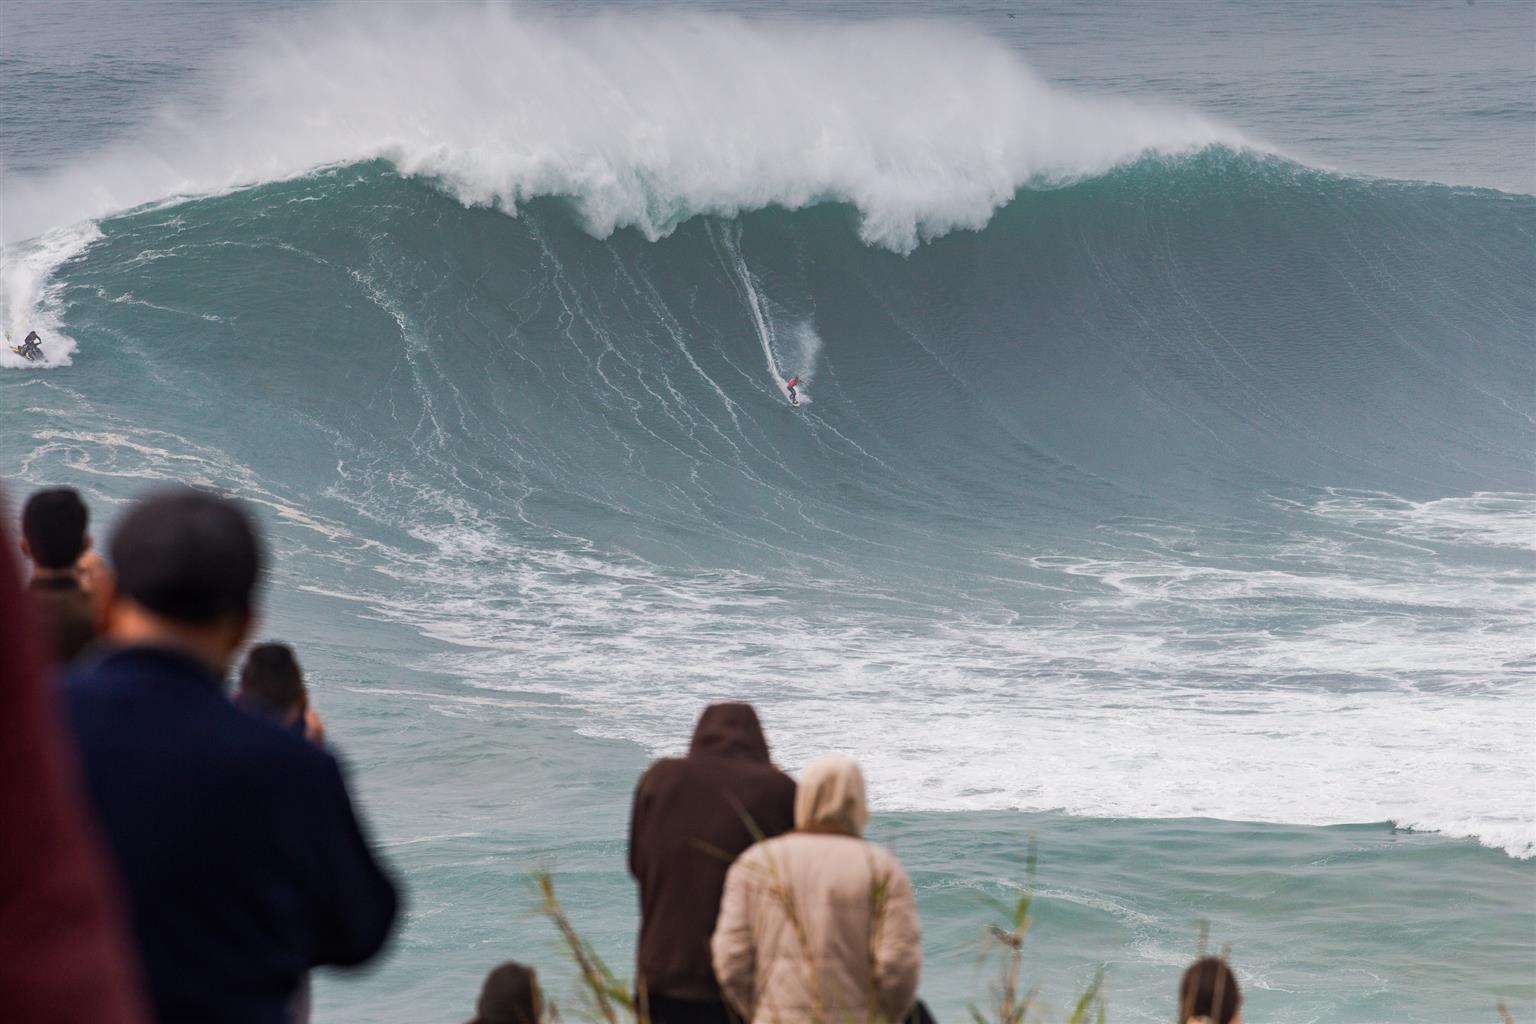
[691,817]
[55,541]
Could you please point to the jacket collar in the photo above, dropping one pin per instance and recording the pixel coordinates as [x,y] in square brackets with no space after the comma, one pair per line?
[160,663]
[52,582]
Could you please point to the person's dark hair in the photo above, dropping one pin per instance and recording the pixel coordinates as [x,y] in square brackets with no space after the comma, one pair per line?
[272,677]
[54,522]
[188,555]
[510,995]
[1209,989]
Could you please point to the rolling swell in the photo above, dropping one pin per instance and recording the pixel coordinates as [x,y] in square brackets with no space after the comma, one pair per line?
[1160,432]
[1175,324]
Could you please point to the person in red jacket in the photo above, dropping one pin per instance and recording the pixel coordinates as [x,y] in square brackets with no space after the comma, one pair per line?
[64,949]
[794,382]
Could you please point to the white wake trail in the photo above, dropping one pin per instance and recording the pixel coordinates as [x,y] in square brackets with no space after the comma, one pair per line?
[731,241]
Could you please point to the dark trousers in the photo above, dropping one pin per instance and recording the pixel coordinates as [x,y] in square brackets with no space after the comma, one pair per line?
[687,1011]
[919,1014]
[666,1010]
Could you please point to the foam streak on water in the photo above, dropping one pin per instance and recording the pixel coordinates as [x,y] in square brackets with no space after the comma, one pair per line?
[1148,686]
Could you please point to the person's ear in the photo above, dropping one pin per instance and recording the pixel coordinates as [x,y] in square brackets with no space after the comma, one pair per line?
[103,600]
[88,543]
[242,629]
[230,634]
[26,549]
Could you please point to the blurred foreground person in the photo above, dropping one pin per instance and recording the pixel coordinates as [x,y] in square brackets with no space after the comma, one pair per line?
[819,925]
[64,950]
[242,858]
[1208,994]
[510,995]
[692,816]
[55,541]
[272,686]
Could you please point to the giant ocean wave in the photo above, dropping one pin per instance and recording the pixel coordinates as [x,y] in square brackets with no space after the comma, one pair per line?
[1184,462]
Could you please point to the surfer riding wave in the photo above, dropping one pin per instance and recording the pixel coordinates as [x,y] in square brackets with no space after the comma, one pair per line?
[31,347]
[793,383]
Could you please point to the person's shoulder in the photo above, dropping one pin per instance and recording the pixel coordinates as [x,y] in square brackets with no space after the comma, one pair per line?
[884,860]
[770,781]
[780,778]
[660,770]
[274,741]
[84,680]
[781,852]
[278,759]
[756,857]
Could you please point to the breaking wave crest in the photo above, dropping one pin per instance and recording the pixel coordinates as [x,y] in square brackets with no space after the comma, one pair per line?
[641,120]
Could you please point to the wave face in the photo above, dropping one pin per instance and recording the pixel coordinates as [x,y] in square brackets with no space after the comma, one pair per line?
[1209,467]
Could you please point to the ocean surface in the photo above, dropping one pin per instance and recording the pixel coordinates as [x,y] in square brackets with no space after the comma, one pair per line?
[1163,491]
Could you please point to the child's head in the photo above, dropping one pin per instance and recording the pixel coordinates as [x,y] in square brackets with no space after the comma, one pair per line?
[1209,992]
[510,995]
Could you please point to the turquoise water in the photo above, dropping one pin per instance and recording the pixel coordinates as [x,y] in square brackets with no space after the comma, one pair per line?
[1163,491]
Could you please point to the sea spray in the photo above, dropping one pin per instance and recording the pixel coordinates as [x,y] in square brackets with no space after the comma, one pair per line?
[29,298]
[640,120]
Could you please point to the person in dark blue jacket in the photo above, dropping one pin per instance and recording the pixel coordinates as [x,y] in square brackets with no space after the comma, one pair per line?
[235,840]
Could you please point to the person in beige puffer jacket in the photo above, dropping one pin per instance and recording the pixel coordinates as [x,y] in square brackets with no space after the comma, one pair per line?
[818,926]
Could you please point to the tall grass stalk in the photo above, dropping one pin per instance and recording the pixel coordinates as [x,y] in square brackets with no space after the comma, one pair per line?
[603,988]
[612,1002]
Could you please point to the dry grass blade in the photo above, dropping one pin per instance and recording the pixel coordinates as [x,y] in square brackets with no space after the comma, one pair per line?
[1086,1000]
[879,902]
[602,986]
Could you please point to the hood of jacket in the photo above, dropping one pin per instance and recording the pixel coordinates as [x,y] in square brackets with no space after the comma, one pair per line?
[691,817]
[830,797]
[729,730]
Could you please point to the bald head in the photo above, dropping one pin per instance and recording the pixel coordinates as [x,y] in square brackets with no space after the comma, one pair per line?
[188,566]
[188,556]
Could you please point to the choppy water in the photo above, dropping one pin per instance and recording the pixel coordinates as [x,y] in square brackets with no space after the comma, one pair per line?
[1166,461]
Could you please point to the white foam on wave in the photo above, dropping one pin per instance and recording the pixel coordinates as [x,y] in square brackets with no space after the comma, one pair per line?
[1329,686]
[643,120]
[1491,518]
[1336,683]
[112,449]
[30,298]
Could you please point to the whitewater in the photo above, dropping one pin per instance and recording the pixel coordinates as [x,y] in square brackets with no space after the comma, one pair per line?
[1163,482]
